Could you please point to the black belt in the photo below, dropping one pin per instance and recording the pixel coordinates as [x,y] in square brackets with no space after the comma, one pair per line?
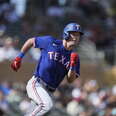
[45,85]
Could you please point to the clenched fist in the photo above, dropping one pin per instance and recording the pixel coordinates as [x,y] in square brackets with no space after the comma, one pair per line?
[15,65]
[73,59]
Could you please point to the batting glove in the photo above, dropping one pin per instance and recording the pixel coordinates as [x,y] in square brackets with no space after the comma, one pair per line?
[73,61]
[15,65]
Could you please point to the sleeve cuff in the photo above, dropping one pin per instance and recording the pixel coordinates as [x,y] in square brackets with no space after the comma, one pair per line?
[73,68]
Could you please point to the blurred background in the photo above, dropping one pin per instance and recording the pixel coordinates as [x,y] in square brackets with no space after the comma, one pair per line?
[94,93]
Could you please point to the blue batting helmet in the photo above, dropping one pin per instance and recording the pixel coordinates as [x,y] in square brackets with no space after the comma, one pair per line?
[71,27]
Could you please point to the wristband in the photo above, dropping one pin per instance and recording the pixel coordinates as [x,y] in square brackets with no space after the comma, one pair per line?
[73,68]
[21,55]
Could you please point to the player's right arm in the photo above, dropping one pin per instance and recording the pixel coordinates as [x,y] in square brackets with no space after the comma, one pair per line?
[41,42]
[15,65]
[27,45]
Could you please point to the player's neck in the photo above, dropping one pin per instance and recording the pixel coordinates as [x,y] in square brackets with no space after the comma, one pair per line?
[65,45]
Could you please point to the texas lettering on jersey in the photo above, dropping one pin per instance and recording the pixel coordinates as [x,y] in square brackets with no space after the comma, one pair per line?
[59,58]
[54,61]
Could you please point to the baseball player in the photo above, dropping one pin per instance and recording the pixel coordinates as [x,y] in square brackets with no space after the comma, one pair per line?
[58,60]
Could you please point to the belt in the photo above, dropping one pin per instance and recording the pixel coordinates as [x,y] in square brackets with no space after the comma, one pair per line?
[45,85]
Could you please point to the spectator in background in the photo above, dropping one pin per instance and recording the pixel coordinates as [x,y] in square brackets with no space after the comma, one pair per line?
[5,88]
[3,104]
[7,51]
[10,14]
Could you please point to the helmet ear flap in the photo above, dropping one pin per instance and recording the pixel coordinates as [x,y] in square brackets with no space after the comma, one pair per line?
[66,35]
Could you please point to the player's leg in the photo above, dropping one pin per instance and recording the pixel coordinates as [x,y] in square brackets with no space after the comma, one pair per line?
[44,105]
[40,96]
[32,106]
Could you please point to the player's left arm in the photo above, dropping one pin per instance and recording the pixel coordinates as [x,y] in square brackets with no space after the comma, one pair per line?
[73,72]
[72,76]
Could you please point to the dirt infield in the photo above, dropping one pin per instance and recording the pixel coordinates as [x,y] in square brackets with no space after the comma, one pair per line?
[88,71]
[25,72]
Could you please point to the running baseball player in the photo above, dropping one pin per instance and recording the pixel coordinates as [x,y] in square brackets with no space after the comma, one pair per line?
[58,60]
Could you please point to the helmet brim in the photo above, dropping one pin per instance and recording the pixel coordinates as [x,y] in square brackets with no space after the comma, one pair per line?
[81,33]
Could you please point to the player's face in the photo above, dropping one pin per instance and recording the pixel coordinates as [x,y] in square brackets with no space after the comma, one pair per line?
[73,39]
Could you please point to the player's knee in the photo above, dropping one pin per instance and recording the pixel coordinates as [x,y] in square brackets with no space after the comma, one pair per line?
[48,105]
